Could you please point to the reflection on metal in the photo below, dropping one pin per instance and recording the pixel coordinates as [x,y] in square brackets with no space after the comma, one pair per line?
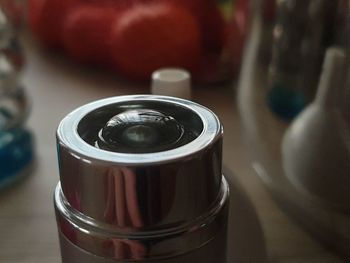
[146,205]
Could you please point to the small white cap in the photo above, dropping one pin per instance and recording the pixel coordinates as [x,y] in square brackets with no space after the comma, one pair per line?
[173,82]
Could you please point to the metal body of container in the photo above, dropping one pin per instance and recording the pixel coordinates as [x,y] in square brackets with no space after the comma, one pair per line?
[145,197]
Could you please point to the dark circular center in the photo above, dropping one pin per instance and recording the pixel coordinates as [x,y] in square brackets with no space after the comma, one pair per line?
[140,131]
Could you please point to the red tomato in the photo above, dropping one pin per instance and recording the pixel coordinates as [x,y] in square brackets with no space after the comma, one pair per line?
[86,32]
[149,37]
[211,22]
[213,27]
[46,18]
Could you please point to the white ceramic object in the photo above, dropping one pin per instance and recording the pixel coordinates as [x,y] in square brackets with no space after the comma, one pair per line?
[173,82]
[316,147]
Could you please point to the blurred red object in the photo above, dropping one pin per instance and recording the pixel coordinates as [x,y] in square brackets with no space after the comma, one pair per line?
[242,15]
[237,31]
[46,18]
[192,34]
[269,10]
[87,33]
[14,10]
[211,22]
[149,37]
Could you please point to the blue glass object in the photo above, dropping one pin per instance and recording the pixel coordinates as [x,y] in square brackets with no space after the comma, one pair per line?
[285,102]
[16,154]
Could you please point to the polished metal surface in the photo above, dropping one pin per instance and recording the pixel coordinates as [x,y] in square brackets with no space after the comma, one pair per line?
[144,205]
[127,243]
[211,252]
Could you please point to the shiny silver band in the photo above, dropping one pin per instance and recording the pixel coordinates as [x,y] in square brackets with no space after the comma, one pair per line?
[109,241]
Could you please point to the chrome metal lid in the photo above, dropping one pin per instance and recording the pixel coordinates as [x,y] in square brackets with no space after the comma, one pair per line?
[115,173]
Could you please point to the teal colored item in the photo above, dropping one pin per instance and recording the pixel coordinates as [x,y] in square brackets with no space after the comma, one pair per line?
[16,154]
[285,102]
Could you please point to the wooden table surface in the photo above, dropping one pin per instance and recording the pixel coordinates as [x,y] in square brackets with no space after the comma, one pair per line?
[56,86]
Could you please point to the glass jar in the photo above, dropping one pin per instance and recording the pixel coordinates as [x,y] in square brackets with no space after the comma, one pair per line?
[294,103]
[16,143]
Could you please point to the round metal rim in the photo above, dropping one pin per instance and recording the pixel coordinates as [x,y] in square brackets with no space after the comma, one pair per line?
[68,137]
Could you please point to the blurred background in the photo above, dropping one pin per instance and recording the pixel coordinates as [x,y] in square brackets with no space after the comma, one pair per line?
[274,71]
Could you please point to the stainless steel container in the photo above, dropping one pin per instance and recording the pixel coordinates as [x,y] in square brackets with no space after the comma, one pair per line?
[141,180]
